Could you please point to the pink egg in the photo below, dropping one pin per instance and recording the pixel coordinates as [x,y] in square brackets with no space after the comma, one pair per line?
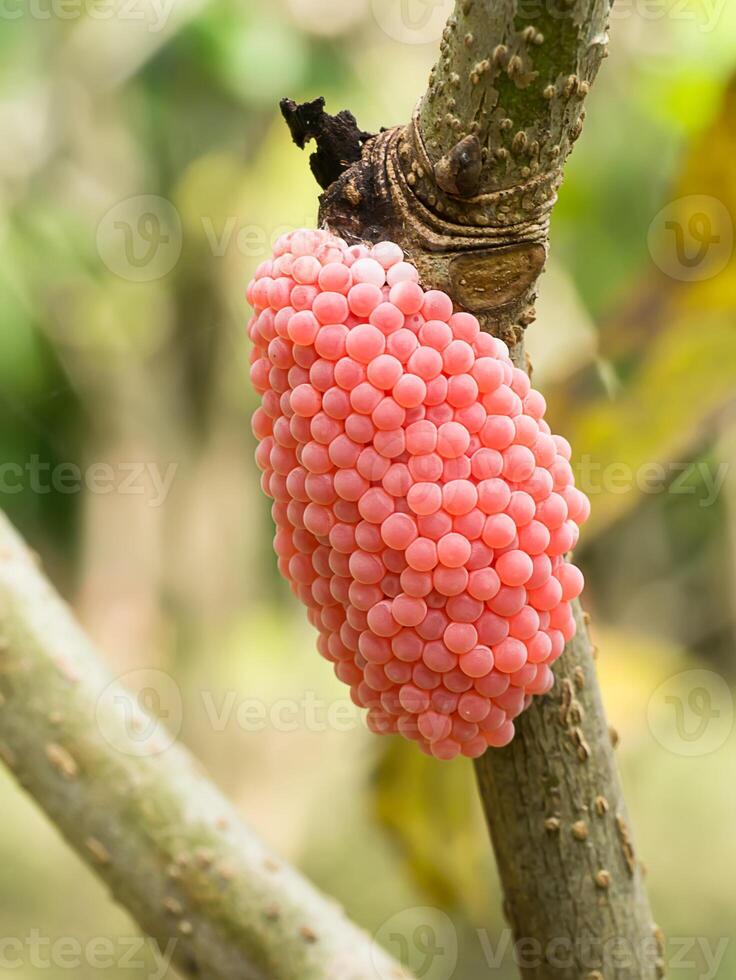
[376,505]
[425,362]
[483,583]
[349,373]
[499,531]
[477,662]
[403,272]
[368,270]
[330,341]
[453,550]
[421,438]
[399,530]
[387,254]
[514,567]
[407,296]
[388,414]
[452,440]
[387,317]
[450,581]
[421,555]
[363,298]
[306,400]
[424,498]
[462,393]
[384,371]
[459,496]
[437,305]
[365,342]
[409,390]
[458,358]
[435,333]
[334,278]
[408,610]
[460,637]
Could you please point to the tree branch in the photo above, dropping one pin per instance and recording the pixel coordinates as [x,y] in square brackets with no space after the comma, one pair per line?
[556,812]
[467,189]
[171,848]
[514,77]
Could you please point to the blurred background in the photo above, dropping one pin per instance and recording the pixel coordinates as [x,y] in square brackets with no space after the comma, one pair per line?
[144,173]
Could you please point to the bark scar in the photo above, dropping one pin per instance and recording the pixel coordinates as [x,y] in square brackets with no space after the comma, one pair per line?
[459,172]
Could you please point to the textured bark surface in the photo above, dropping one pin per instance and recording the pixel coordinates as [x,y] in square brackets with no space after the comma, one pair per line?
[467,188]
[468,185]
[574,891]
[171,848]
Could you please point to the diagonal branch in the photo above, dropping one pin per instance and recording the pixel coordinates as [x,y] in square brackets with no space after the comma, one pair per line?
[169,845]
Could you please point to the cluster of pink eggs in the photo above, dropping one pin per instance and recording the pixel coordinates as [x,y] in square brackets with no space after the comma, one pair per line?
[423,508]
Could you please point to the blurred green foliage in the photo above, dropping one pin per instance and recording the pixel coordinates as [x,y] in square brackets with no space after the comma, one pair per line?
[159,135]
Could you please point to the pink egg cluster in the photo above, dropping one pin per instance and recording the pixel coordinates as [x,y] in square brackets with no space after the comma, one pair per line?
[423,508]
